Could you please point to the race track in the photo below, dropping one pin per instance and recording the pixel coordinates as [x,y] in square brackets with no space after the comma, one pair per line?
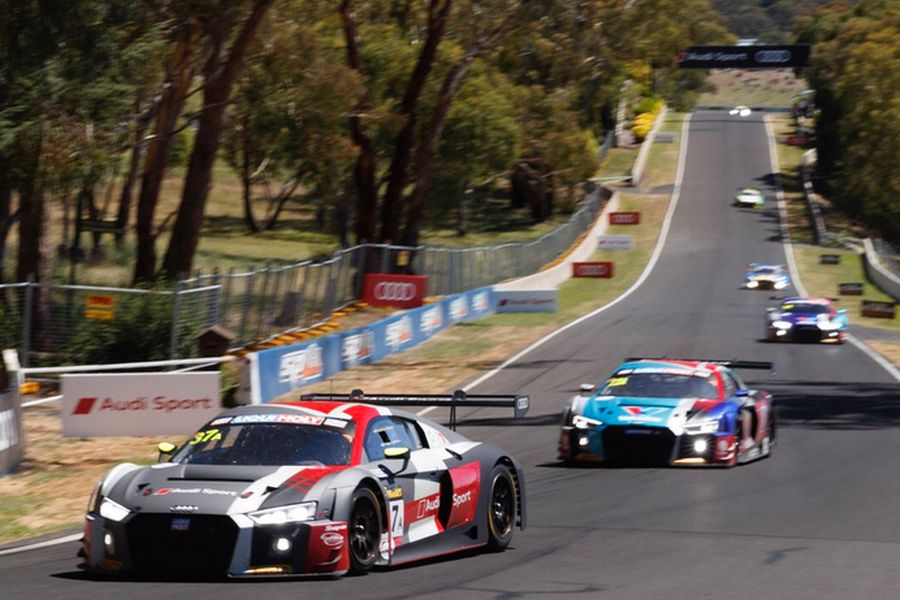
[819,519]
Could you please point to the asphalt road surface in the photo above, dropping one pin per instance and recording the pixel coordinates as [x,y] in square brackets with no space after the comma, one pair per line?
[819,519]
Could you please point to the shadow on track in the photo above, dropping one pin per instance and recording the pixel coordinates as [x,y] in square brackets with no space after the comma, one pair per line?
[837,405]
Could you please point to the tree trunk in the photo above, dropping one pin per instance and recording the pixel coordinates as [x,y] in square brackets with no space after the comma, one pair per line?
[218,82]
[180,73]
[246,179]
[137,155]
[6,215]
[403,145]
[364,170]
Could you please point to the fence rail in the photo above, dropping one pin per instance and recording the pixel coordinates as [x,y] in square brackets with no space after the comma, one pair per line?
[87,324]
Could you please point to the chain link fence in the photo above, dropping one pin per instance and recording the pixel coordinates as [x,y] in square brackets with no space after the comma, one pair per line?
[80,324]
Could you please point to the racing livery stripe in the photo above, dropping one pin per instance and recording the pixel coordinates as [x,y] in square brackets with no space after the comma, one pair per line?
[252,497]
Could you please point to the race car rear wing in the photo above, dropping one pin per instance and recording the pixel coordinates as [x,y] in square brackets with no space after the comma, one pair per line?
[458,398]
[731,364]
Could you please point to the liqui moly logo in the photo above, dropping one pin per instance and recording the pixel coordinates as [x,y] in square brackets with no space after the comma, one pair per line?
[432,320]
[399,332]
[301,366]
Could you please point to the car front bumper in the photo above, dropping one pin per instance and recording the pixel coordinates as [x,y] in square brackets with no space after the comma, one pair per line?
[645,445]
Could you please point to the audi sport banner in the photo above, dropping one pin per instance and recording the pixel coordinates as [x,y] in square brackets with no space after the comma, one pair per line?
[12,440]
[602,269]
[403,291]
[107,404]
[281,370]
[527,300]
[743,57]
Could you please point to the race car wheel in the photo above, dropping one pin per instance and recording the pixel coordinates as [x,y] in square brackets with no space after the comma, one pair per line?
[502,505]
[364,531]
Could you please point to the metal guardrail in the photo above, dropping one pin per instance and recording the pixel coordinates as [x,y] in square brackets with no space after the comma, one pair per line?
[154,324]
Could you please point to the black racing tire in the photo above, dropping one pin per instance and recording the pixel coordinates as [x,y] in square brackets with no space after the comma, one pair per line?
[363,531]
[502,507]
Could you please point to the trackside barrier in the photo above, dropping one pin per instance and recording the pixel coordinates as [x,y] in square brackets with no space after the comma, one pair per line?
[12,440]
[882,277]
[277,371]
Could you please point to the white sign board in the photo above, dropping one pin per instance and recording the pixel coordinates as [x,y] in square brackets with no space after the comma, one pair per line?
[615,242]
[138,403]
[526,300]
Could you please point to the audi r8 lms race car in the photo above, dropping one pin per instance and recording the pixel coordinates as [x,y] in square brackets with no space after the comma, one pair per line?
[321,486]
[740,110]
[804,319]
[763,276]
[749,197]
[670,411]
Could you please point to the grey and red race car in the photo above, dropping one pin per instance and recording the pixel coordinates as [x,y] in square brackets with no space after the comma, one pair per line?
[321,486]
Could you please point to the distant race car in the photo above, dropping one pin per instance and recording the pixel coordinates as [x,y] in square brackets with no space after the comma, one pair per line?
[749,197]
[325,486]
[805,319]
[670,411]
[740,110]
[764,276]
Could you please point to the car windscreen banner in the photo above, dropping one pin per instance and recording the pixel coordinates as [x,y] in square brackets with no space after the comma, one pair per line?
[401,291]
[109,404]
[286,368]
[12,438]
[744,57]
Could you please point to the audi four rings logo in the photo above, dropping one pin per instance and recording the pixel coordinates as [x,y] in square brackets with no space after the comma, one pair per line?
[395,291]
[773,56]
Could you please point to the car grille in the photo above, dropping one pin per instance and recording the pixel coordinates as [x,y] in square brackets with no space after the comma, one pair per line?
[762,284]
[807,333]
[638,444]
[204,547]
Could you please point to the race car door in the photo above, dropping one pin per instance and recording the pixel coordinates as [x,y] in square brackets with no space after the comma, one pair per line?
[414,484]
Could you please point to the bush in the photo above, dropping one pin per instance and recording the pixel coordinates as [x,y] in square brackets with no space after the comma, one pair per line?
[650,104]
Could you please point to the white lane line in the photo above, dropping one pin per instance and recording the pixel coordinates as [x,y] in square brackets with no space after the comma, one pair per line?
[789,253]
[54,542]
[660,243]
[41,401]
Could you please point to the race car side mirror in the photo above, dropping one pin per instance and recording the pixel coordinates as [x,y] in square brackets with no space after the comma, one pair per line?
[166,450]
[842,311]
[397,453]
[742,393]
[586,388]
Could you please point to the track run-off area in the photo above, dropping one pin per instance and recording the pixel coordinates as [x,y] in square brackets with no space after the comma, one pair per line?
[819,519]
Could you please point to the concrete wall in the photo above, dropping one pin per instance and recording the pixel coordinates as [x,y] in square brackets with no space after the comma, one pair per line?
[886,281]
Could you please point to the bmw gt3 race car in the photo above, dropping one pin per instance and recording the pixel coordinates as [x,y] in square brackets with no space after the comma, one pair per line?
[805,319]
[764,276]
[749,198]
[670,411]
[320,486]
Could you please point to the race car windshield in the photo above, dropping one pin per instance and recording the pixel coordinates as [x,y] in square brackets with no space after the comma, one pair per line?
[766,271]
[268,444]
[660,385]
[816,309]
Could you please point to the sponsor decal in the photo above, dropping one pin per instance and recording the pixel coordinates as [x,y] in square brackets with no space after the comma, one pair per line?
[481,302]
[466,481]
[625,218]
[432,320]
[602,269]
[527,301]
[399,332]
[332,422]
[403,291]
[337,527]
[642,414]
[85,406]
[356,348]
[460,499]
[459,309]
[615,242]
[395,493]
[299,419]
[184,508]
[428,506]
[301,366]
[332,540]
[180,524]
[201,491]
[220,421]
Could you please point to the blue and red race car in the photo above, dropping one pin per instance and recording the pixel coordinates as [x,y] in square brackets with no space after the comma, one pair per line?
[806,319]
[670,411]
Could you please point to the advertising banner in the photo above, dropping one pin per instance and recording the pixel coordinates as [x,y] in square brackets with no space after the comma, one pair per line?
[850,289]
[744,57]
[109,404]
[615,242]
[281,370]
[878,310]
[600,269]
[402,291]
[527,300]
[12,439]
[625,218]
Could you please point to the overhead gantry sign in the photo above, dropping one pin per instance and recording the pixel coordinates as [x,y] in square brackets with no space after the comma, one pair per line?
[744,57]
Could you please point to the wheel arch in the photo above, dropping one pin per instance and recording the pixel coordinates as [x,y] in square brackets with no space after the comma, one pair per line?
[518,475]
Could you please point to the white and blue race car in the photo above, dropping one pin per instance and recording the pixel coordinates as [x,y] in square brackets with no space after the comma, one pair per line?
[766,276]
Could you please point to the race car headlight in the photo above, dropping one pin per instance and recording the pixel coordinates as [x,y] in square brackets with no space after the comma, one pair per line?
[782,324]
[582,422]
[828,325]
[708,426]
[109,509]
[294,513]
[752,283]
[780,285]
